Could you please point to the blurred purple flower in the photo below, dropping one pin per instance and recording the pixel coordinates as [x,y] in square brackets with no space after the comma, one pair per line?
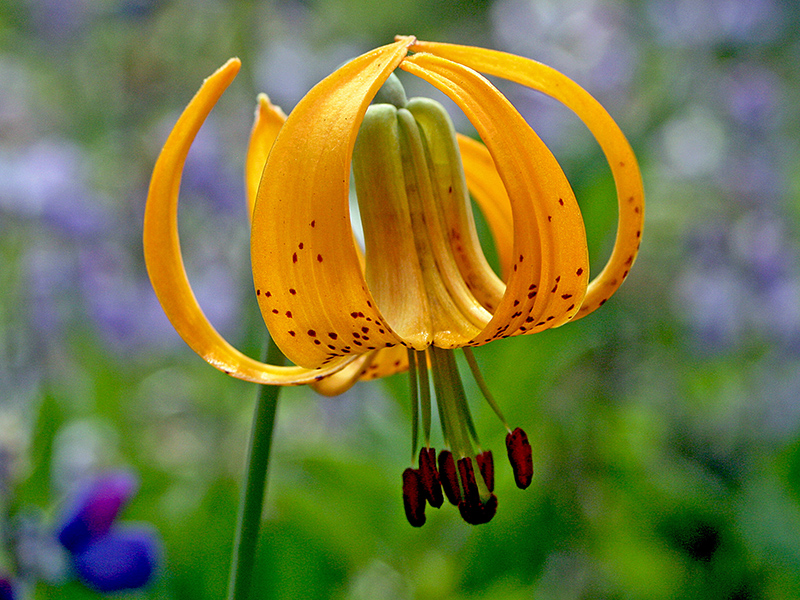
[754,176]
[584,38]
[50,272]
[60,19]
[125,559]
[108,557]
[753,95]
[49,181]
[93,511]
[689,22]
[210,176]
[124,306]
[6,588]
[741,279]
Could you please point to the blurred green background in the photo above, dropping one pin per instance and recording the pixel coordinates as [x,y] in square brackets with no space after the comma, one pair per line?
[665,427]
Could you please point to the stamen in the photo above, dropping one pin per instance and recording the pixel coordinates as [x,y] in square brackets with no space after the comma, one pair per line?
[486,466]
[520,456]
[454,426]
[473,510]
[448,477]
[425,395]
[468,482]
[480,513]
[476,374]
[430,477]
[412,376]
[413,497]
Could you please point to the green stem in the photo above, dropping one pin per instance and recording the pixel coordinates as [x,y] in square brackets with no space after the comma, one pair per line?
[253,492]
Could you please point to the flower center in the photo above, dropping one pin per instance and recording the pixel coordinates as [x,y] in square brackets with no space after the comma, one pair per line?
[425,266]
[427,271]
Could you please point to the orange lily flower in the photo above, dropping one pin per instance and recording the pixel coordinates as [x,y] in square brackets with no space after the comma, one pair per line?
[422,285]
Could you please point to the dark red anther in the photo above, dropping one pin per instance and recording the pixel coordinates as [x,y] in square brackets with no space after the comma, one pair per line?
[472,510]
[520,456]
[449,477]
[413,497]
[486,466]
[430,477]
[479,513]
[471,494]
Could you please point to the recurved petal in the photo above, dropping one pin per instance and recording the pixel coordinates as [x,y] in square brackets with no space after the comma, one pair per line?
[388,361]
[164,261]
[618,152]
[345,378]
[268,122]
[487,189]
[550,263]
[309,283]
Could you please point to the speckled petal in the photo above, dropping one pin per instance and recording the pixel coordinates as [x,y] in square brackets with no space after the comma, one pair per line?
[387,362]
[550,260]
[345,378]
[618,152]
[164,261]
[309,282]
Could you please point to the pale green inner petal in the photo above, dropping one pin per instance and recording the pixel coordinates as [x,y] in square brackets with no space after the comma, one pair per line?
[409,218]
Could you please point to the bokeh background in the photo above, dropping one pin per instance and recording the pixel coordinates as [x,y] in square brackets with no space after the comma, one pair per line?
[665,427]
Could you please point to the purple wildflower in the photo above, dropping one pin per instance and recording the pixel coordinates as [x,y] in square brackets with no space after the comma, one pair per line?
[124,559]
[94,510]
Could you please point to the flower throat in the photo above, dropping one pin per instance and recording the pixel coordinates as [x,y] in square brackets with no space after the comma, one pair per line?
[427,271]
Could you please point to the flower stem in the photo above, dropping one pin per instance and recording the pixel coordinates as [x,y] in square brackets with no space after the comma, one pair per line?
[253,492]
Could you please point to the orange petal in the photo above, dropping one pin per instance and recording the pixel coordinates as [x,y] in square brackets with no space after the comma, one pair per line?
[488,191]
[550,263]
[387,362]
[618,152]
[268,122]
[309,282]
[163,258]
[344,379]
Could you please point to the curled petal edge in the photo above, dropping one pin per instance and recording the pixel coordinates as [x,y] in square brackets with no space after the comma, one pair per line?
[164,260]
[618,152]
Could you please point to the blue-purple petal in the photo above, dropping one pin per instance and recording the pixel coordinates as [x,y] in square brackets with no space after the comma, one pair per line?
[95,508]
[126,558]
